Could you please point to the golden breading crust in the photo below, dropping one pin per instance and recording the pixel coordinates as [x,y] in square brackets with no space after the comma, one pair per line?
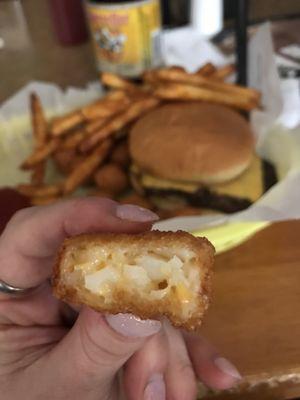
[125,301]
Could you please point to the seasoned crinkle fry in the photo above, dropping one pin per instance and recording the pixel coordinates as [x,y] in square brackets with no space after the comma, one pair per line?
[183,92]
[119,121]
[85,169]
[41,154]
[151,275]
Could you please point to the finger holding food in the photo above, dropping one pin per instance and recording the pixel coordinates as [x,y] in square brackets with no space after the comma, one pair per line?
[111,178]
[151,275]
[86,168]
[135,110]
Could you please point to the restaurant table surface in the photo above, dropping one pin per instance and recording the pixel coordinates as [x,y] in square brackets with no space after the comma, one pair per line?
[254,319]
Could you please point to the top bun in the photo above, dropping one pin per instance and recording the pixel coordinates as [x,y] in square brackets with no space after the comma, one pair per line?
[192,141]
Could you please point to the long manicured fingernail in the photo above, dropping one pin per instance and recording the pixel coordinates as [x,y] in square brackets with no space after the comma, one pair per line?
[130,212]
[131,326]
[156,388]
[227,368]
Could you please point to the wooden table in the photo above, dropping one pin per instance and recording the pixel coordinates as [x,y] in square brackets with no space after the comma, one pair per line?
[255,316]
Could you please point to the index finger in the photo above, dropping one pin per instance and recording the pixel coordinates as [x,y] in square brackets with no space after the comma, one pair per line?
[29,243]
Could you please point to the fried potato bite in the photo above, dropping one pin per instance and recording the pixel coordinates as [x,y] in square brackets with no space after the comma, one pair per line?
[152,274]
[111,178]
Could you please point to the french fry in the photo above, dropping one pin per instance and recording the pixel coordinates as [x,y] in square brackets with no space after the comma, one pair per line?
[40,154]
[207,69]
[86,168]
[135,110]
[223,72]
[39,130]
[72,141]
[38,173]
[93,126]
[63,124]
[38,120]
[196,80]
[44,201]
[150,77]
[175,91]
[104,108]
[116,82]
[39,191]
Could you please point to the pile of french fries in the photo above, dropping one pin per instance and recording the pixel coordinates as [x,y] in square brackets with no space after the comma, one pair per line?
[89,145]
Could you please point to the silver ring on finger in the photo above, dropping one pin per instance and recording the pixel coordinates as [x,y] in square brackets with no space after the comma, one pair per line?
[5,288]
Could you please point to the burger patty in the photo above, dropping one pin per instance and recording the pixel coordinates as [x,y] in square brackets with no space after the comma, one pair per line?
[204,197]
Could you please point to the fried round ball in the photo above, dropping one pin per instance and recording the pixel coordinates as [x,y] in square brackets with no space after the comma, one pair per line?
[120,154]
[111,178]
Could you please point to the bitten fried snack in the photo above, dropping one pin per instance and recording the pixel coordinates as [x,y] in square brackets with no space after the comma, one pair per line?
[151,275]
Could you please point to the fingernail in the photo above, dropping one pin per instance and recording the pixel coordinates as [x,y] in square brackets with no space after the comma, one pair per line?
[156,388]
[227,368]
[131,326]
[130,212]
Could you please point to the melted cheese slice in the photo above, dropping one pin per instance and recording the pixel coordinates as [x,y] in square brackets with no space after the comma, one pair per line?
[248,185]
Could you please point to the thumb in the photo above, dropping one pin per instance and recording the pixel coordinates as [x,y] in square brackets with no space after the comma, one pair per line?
[91,354]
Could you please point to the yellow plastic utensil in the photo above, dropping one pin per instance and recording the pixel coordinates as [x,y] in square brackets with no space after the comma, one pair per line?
[229,235]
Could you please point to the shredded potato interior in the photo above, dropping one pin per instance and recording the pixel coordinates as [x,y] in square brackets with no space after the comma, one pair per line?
[155,274]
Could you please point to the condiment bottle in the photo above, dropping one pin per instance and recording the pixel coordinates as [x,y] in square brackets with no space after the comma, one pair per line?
[68,21]
[126,35]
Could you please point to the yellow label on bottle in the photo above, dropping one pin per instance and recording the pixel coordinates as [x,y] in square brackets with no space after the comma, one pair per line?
[126,36]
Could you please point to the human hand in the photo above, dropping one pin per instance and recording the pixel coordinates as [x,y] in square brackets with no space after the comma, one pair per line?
[48,351]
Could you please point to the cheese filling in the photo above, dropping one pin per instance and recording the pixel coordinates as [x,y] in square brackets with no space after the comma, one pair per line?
[154,274]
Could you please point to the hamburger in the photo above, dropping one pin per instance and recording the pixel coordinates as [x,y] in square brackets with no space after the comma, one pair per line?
[197,154]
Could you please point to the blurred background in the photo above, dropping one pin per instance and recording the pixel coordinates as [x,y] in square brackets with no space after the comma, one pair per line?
[48,40]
